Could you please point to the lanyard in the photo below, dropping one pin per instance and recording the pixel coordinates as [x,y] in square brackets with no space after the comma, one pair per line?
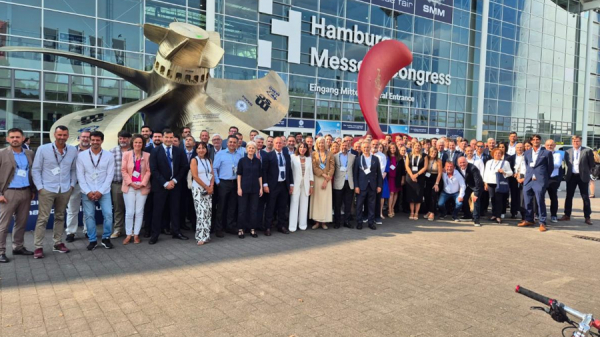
[320,160]
[56,156]
[413,160]
[205,166]
[92,159]
[494,167]
[361,162]
[17,162]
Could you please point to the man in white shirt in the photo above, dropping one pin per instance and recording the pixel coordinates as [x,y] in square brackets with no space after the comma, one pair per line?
[95,171]
[511,149]
[54,175]
[75,199]
[454,188]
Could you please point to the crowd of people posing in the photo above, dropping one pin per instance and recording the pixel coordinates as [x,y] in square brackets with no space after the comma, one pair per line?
[152,182]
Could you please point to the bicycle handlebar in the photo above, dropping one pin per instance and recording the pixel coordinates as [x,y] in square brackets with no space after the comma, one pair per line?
[534,296]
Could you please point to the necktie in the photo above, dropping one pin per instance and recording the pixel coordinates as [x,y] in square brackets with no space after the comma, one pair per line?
[189,155]
[281,172]
[169,158]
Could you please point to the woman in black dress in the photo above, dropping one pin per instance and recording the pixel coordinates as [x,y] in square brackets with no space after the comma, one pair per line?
[416,165]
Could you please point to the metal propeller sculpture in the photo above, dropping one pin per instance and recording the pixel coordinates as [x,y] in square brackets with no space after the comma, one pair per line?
[180,91]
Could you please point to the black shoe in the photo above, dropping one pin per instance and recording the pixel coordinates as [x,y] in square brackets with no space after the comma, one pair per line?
[336,226]
[106,244]
[70,237]
[3,258]
[372,226]
[348,225]
[359,226]
[477,223]
[22,251]
[514,216]
[241,235]
[268,232]
[92,245]
[220,234]
[283,230]
[254,235]
[147,234]
[153,241]
[180,237]
[185,227]
[166,231]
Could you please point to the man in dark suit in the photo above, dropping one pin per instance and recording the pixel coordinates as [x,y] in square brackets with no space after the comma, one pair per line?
[580,161]
[474,183]
[168,167]
[156,141]
[278,183]
[442,155]
[539,164]
[368,181]
[453,153]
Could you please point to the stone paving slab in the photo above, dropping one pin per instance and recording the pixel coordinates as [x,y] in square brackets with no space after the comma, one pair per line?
[407,278]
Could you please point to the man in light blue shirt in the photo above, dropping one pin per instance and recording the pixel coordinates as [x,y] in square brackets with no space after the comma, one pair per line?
[54,174]
[225,168]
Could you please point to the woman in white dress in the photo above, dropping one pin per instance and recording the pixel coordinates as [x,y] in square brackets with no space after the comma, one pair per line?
[303,187]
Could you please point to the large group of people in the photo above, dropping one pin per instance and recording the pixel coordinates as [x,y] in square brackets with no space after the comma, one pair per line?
[153,183]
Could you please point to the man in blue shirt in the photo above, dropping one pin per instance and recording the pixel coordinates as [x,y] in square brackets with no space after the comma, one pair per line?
[225,168]
[16,192]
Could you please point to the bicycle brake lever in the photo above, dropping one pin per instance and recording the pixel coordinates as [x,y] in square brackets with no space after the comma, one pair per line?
[546,310]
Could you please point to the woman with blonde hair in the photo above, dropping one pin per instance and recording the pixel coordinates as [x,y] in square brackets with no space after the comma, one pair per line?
[321,203]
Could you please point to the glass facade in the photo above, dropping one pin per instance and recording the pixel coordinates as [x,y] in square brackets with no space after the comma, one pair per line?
[534,73]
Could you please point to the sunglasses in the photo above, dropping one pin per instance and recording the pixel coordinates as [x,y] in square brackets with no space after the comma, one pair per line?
[480,146]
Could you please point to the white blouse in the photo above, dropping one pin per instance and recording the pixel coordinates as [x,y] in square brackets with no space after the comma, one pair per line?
[492,167]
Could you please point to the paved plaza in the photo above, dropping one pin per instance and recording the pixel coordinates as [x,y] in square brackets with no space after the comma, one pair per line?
[407,278]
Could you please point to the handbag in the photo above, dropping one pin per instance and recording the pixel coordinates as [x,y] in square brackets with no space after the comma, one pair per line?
[190,179]
[501,182]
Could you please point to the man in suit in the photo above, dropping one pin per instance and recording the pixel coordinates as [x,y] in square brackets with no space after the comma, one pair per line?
[453,153]
[155,142]
[474,186]
[168,167]
[368,181]
[555,178]
[205,138]
[187,200]
[539,164]
[262,200]
[580,161]
[489,146]
[442,155]
[343,185]
[16,192]
[481,154]
[278,183]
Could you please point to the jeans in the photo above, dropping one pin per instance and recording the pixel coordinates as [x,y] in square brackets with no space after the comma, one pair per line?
[89,216]
[444,197]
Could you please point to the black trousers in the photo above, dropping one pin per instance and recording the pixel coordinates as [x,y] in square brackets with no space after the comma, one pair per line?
[278,203]
[497,200]
[227,208]
[366,198]
[572,184]
[247,211]
[516,197]
[148,213]
[431,196]
[343,196]
[485,202]
[215,209]
[166,201]
[378,206]
[187,206]
[553,194]
[260,211]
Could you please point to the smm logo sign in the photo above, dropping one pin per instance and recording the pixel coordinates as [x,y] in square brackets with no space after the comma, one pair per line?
[440,10]
[291,28]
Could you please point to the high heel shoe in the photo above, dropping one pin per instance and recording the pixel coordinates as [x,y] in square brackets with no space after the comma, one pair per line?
[253,234]
[136,239]
[241,234]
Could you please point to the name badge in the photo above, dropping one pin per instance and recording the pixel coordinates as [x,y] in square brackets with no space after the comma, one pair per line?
[55,171]
[94,175]
[531,164]
[427,174]
[415,168]
[392,167]
[322,166]
[343,169]
[233,170]
[136,174]
[22,173]
[367,171]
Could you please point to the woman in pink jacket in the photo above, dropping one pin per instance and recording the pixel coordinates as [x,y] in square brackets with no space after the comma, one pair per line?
[136,186]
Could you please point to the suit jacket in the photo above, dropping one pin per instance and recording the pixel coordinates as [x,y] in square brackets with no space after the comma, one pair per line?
[329,165]
[211,153]
[339,176]
[8,169]
[297,173]
[473,179]
[161,171]
[457,154]
[586,164]
[444,159]
[270,165]
[127,171]
[362,180]
[542,168]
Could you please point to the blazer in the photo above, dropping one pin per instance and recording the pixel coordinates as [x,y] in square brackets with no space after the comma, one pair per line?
[329,164]
[362,180]
[339,176]
[457,154]
[270,166]
[8,169]
[297,172]
[400,171]
[586,164]
[127,171]
[542,168]
[160,170]
[473,179]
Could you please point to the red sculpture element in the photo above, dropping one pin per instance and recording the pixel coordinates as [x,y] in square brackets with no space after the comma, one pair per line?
[378,67]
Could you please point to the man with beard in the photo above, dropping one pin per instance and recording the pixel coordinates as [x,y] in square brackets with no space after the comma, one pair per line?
[146,132]
[117,182]
[16,192]
[75,199]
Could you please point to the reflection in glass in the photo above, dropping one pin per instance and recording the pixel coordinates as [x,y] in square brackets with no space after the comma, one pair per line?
[82,89]
[27,84]
[20,114]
